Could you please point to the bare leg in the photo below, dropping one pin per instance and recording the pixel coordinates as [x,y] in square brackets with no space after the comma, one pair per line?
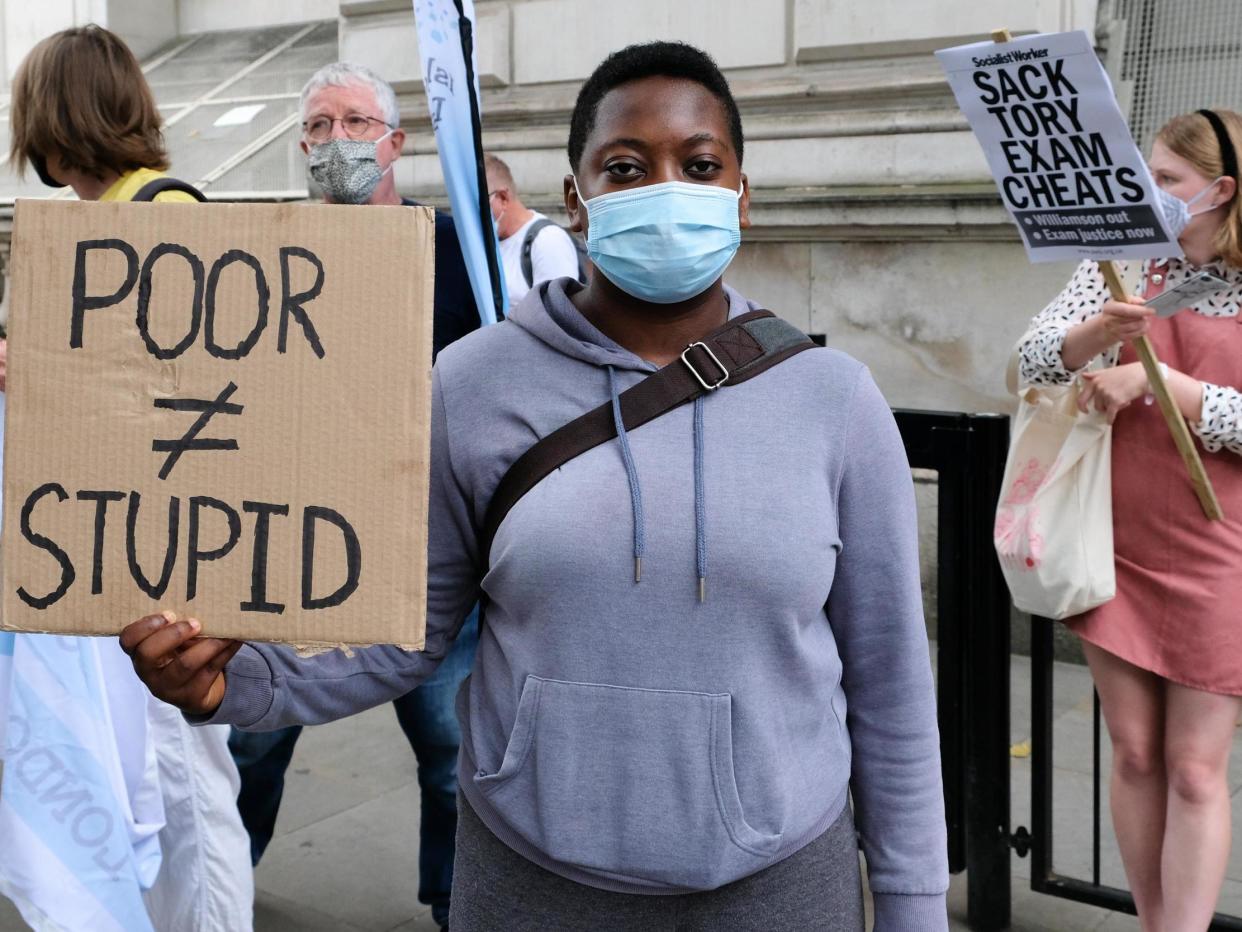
[1199,729]
[1133,704]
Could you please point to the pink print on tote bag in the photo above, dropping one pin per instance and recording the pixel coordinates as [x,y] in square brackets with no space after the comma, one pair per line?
[1054,523]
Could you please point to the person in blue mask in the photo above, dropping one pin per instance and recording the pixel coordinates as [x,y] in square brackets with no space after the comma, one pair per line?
[702,633]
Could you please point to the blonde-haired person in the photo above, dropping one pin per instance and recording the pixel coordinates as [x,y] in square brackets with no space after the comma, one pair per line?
[1166,653]
[83,116]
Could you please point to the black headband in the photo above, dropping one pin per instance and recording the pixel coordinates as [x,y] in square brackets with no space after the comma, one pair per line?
[1228,157]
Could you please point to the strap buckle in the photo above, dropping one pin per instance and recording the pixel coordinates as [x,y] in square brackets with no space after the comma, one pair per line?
[710,386]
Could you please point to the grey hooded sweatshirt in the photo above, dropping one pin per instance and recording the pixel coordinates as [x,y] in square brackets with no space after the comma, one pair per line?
[625,734]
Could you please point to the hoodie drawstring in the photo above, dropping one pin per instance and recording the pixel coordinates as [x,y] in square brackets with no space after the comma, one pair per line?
[636,492]
[700,505]
[631,473]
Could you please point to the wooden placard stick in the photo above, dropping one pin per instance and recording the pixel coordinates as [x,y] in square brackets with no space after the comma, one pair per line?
[1172,414]
[1159,387]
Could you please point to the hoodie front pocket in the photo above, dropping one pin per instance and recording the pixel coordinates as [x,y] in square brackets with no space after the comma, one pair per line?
[636,784]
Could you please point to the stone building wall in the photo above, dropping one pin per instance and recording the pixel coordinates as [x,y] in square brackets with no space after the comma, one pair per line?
[875,221]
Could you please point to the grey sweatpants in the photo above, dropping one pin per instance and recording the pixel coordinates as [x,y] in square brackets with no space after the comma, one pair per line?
[816,889]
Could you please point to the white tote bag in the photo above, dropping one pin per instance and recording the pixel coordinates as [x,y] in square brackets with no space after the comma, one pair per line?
[1054,522]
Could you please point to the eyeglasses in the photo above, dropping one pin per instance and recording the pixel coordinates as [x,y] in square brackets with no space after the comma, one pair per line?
[356,125]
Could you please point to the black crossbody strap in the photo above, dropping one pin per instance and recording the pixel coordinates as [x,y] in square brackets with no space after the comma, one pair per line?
[744,347]
[157,186]
[528,244]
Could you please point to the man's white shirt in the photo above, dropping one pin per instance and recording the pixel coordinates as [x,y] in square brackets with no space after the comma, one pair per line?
[552,255]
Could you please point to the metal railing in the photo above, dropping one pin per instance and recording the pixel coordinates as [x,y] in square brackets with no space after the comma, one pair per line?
[1044,877]
[968,452]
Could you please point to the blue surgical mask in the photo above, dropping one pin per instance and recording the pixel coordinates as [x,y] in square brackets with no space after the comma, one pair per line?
[663,243]
[1177,213]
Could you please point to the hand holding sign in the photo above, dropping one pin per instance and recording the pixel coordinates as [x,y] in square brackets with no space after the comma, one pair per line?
[1118,321]
[1125,320]
[179,667]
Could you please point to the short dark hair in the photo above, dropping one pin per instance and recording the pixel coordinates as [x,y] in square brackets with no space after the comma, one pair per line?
[80,95]
[647,60]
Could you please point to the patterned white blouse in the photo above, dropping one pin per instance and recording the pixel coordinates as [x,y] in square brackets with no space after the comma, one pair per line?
[1039,353]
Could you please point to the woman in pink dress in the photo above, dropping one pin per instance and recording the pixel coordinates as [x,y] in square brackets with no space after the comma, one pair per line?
[1166,653]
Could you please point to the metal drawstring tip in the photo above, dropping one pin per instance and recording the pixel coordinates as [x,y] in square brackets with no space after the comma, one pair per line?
[702,589]
[638,569]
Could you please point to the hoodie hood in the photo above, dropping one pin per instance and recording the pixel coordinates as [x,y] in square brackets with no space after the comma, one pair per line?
[548,314]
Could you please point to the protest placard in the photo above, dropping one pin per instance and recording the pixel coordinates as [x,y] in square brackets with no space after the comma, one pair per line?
[1070,174]
[221,410]
[1059,149]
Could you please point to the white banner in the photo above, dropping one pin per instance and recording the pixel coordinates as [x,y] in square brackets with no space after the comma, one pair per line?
[80,809]
[1058,146]
[445,78]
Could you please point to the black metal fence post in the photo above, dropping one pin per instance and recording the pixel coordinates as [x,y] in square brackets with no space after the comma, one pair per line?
[1044,876]
[968,453]
[987,649]
[973,656]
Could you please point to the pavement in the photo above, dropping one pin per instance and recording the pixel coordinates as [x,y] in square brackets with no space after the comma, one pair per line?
[344,855]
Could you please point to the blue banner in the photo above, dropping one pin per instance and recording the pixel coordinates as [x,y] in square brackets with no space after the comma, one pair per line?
[450,77]
[69,858]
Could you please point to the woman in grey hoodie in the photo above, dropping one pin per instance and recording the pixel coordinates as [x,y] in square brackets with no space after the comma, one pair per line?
[647,744]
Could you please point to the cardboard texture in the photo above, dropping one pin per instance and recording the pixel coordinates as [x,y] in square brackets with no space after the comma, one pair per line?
[220,410]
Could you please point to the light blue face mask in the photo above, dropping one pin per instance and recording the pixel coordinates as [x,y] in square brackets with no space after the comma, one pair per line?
[663,243]
[1178,213]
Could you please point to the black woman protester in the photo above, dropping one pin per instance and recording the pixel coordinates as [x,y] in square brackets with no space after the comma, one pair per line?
[703,634]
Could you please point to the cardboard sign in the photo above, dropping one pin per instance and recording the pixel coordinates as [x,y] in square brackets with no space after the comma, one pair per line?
[221,410]
[1066,165]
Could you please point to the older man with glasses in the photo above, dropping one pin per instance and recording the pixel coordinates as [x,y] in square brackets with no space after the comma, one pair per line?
[351,137]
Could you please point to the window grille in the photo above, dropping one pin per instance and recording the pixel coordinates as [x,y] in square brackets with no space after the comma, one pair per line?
[231,108]
[1172,56]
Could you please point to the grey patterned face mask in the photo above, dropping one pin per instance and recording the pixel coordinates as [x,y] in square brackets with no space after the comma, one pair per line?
[347,169]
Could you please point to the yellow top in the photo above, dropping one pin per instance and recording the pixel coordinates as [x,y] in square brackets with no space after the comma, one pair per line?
[130,183]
